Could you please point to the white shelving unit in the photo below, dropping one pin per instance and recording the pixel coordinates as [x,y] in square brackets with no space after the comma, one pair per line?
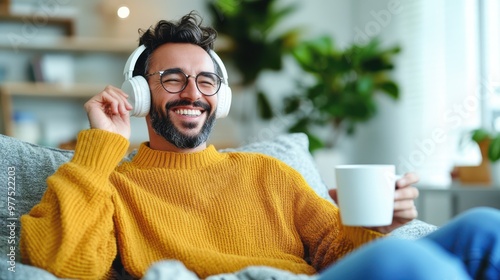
[58,107]
[439,205]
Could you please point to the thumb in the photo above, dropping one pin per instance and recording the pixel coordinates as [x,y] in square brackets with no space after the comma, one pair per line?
[333,194]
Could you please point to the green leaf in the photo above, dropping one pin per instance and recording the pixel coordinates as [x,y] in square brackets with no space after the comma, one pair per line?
[300,126]
[277,15]
[391,88]
[292,104]
[315,142]
[228,7]
[364,85]
[313,56]
[494,149]
[265,109]
[479,135]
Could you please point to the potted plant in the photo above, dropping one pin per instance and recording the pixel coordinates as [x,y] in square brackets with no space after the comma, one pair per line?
[344,87]
[489,144]
[256,45]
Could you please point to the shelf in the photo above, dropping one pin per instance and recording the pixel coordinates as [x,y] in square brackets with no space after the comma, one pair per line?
[76,44]
[119,46]
[10,89]
[66,23]
[461,188]
[50,90]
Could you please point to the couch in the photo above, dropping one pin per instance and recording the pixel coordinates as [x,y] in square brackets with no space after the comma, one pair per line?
[24,168]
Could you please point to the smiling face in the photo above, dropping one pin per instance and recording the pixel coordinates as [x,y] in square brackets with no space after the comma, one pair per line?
[181,121]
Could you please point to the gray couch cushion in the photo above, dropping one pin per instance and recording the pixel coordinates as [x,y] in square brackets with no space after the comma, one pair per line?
[29,166]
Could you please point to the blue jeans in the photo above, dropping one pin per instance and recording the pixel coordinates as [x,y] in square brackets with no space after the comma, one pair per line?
[466,248]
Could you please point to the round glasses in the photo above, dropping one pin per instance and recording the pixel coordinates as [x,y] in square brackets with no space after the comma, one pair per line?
[175,81]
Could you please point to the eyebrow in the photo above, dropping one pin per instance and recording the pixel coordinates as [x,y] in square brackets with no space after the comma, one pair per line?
[164,70]
[172,69]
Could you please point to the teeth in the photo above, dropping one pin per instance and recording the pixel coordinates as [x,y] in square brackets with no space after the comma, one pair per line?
[187,112]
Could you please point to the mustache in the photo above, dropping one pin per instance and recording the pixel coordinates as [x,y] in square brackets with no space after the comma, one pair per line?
[184,102]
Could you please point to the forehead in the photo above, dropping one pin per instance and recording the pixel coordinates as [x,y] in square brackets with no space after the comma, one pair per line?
[187,57]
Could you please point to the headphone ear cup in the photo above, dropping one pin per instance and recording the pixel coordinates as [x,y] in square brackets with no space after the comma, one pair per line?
[139,96]
[224,94]
[223,101]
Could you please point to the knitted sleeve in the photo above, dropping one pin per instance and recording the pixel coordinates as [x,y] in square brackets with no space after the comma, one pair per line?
[318,221]
[71,232]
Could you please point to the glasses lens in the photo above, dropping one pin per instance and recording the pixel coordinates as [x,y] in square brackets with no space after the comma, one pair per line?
[208,83]
[173,81]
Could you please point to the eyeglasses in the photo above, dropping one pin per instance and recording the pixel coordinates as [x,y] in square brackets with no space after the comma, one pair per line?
[175,81]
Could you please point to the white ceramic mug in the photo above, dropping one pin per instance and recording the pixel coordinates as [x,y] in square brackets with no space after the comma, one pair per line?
[366,194]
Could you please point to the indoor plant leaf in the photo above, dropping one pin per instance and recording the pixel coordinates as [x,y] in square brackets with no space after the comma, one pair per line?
[345,85]
[479,135]
[315,142]
[264,107]
[391,88]
[494,149]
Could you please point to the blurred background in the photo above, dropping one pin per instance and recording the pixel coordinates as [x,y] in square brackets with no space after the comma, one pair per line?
[410,83]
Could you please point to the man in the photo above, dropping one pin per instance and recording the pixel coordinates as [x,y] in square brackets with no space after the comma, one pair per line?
[181,199]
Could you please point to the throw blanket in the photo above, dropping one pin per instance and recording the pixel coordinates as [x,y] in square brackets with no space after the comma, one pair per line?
[165,270]
[171,270]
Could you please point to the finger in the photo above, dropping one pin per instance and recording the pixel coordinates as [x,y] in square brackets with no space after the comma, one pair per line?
[404,205]
[407,180]
[333,194]
[115,101]
[407,214]
[124,105]
[109,103]
[406,193]
[125,96]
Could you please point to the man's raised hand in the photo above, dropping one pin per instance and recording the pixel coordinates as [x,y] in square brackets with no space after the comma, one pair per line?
[109,110]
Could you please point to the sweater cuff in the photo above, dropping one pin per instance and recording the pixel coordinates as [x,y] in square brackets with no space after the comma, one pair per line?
[99,149]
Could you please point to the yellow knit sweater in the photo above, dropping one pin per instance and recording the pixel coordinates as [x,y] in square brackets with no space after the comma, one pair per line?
[215,212]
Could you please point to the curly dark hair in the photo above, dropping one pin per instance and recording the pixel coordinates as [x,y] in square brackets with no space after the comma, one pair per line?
[188,29]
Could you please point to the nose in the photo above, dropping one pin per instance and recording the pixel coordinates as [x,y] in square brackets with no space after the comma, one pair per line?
[191,90]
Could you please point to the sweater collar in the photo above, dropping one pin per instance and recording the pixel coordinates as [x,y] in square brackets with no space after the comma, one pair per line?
[147,157]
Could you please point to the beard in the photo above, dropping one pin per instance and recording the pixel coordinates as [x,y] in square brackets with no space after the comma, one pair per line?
[163,125]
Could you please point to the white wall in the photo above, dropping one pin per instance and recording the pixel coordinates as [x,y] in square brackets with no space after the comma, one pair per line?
[438,74]
[97,18]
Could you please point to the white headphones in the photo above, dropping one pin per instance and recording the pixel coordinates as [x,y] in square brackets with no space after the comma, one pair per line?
[138,89]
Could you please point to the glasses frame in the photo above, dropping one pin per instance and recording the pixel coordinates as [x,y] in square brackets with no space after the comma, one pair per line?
[161,72]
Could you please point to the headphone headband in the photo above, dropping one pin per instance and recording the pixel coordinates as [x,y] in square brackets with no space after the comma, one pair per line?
[128,71]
